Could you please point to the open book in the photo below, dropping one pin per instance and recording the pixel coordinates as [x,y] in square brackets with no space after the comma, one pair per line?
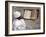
[30,14]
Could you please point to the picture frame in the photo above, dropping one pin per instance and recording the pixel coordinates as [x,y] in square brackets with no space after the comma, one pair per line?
[29,11]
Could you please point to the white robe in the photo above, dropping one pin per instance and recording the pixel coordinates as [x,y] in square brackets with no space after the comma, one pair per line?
[19,24]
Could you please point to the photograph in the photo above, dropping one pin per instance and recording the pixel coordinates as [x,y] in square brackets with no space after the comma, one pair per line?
[24,18]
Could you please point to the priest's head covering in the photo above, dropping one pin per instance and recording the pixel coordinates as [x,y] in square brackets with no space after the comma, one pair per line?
[17,14]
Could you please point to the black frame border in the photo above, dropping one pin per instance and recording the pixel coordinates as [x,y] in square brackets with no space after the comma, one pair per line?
[6,18]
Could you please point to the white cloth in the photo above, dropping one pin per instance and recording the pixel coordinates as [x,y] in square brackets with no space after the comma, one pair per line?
[19,24]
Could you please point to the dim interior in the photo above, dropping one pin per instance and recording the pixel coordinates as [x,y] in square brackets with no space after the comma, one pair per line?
[30,15]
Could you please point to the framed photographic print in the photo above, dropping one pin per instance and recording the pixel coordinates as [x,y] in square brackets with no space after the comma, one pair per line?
[24,18]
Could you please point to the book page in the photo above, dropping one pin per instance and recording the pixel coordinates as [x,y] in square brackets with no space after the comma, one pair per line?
[27,14]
